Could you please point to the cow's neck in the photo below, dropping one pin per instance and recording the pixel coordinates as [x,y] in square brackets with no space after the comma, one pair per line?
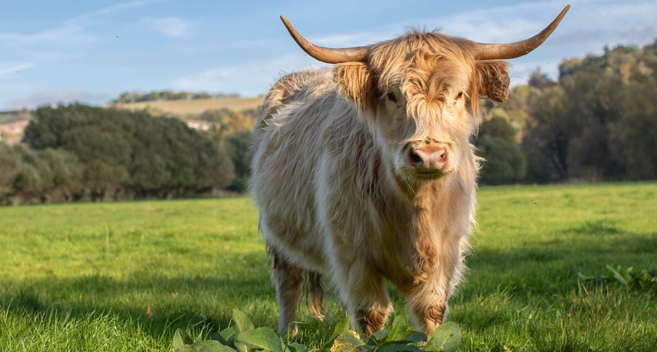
[438,216]
[417,216]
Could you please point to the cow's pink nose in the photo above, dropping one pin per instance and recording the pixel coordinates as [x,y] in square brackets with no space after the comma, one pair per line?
[428,158]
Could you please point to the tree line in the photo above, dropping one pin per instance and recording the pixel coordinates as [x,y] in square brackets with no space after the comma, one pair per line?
[135,97]
[79,152]
[596,122]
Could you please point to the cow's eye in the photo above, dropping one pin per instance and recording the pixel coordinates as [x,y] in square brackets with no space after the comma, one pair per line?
[459,96]
[391,96]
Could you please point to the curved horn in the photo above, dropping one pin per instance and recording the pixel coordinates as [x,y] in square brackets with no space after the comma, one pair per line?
[328,55]
[513,50]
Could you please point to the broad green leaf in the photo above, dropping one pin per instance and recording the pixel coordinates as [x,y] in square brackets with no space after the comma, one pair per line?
[297,347]
[340,328]
[179,339]
[617,275]
[346,342]
[446,337]
[227,333]
[378,337]
[242,322]
[241,347]
[217,337]
[262,338]
[416,337]
[208,346]
[397,347]
[583,277]
[397,330]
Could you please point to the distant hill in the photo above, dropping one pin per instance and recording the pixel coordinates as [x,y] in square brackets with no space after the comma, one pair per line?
[14,115]
[12,125]
[136,96]
[192,108]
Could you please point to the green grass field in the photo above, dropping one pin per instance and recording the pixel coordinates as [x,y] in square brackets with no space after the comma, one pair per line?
[186,263]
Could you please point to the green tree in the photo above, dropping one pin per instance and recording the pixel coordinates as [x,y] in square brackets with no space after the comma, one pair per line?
[633,139]
[505,163]
[549,128]
[125,153]
[10,165]
[65,173]
[239,149]
[34,176]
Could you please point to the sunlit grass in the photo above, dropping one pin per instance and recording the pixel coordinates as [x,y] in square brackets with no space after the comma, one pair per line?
[185,264]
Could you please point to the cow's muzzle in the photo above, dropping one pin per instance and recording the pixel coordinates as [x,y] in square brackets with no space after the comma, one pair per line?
[429,161]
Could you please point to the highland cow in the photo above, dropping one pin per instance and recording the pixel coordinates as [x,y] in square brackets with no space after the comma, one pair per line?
[365,171]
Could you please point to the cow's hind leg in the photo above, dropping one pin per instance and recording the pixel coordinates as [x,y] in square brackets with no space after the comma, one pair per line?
[315,294]
[288,279]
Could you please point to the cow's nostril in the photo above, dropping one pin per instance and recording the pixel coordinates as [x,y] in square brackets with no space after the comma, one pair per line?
[415,159]
[442,155]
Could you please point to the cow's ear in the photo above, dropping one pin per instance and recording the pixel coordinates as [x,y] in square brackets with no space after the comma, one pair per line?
[356,84]
[493,79]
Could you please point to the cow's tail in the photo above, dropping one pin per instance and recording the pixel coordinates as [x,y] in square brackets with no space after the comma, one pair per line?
[314,294]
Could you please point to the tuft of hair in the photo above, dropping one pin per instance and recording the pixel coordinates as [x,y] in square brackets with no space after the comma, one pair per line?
[356,83]
[314,293]
[493,79]
[397,61]
[312,287]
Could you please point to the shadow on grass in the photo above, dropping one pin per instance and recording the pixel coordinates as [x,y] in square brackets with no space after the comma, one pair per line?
[585,243]
[159,303]
[530,291]
[547,265]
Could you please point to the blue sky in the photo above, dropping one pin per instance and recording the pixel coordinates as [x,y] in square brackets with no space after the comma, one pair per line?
[91,51]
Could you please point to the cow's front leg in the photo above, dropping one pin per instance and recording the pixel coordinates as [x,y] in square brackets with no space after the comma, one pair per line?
[428,305]
[363,291]
[429,302]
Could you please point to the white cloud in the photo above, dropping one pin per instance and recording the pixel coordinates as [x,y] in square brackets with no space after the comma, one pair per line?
[56,97]
[15,68]
[593,23]
[587,28]
[68,35]
[169,26]
[111,9]
[249,79]
[641,33]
